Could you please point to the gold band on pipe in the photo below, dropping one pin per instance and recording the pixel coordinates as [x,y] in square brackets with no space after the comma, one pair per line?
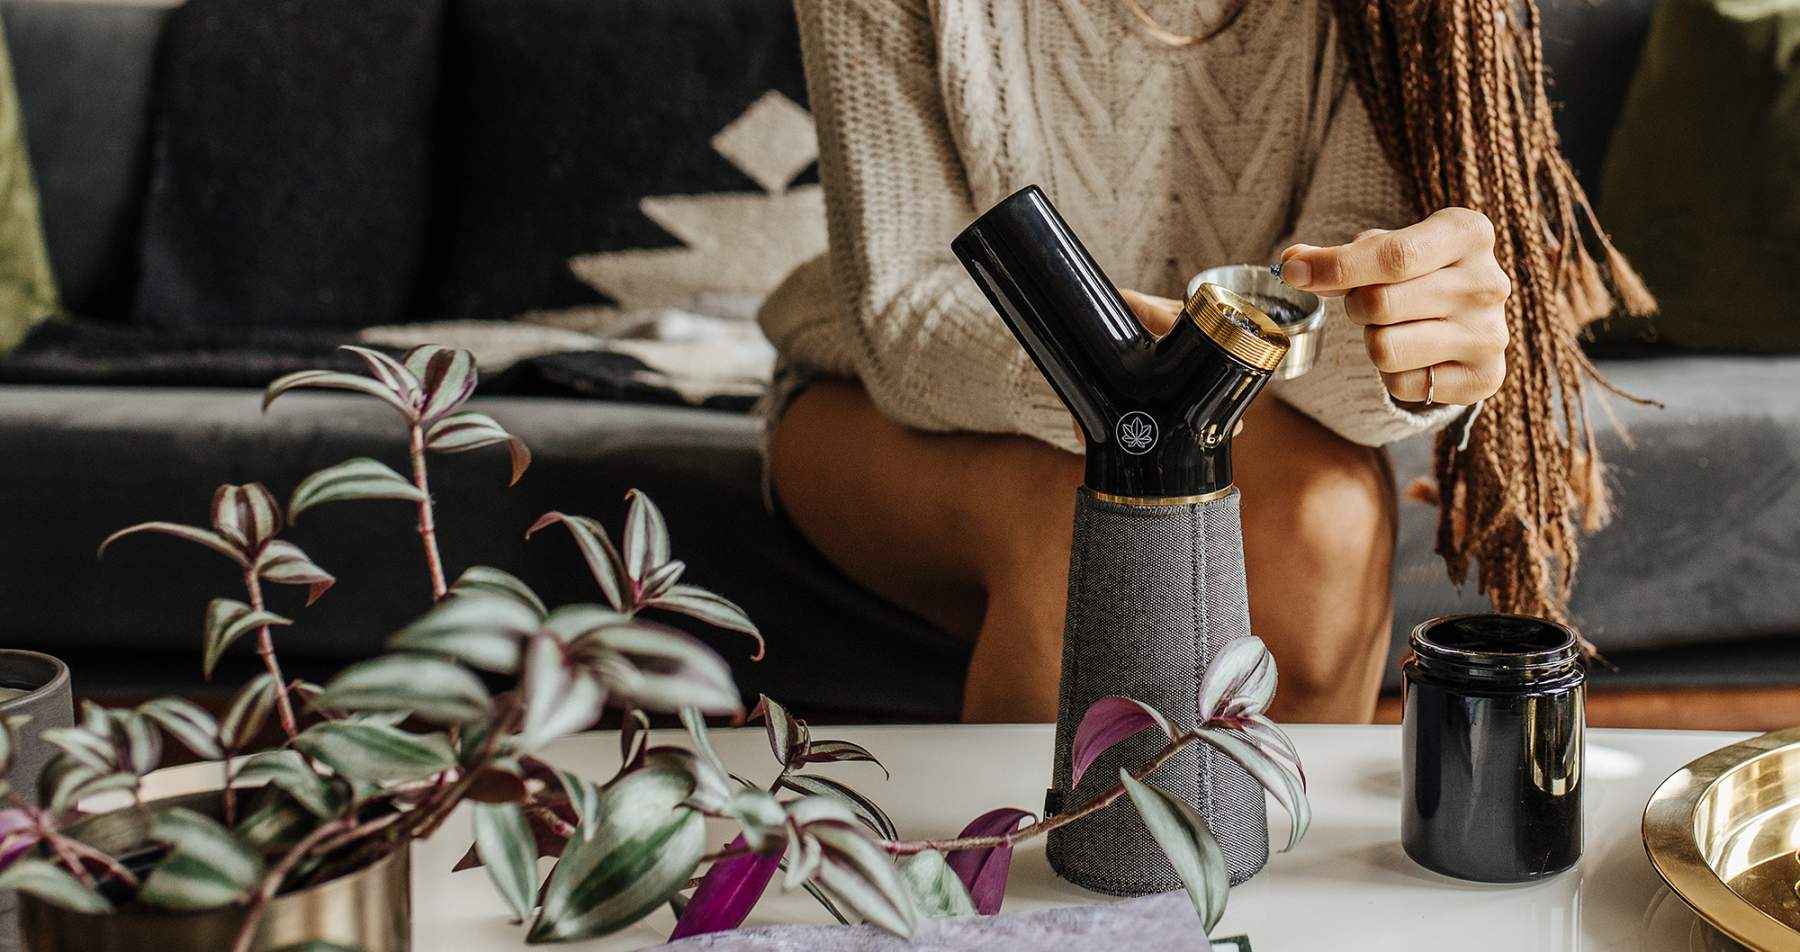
[1158,500]
[1239,327]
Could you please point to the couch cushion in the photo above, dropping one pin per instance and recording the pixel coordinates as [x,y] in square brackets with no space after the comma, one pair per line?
[560,117]
[86,461]
[27,291]
[290,163]
[1705,548]
[84,72]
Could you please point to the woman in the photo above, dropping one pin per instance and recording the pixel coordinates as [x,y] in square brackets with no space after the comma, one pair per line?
[921,451]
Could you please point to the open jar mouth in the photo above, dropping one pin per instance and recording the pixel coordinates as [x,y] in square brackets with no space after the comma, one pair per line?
[1493,646]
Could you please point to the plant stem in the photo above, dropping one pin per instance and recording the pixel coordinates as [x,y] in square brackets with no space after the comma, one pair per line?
[1101,802]
[271,881]
[427,520]
[265,646]
[85,851]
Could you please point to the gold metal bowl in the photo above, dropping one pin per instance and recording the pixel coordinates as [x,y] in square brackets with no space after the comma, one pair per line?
[1723,833]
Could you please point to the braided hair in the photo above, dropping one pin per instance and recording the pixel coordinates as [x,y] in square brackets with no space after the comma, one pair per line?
[1455,89]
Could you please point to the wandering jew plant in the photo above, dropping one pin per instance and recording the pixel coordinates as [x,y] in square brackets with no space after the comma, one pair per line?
[382,753]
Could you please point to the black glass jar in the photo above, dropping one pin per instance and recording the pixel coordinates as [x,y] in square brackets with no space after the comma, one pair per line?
[1494,715]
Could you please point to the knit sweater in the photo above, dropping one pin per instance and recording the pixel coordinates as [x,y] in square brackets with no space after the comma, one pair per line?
[1165,160]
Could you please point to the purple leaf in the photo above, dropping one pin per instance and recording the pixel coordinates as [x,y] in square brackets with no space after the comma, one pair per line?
[727,893]
[1107,722]
[983,871]
[1239,681]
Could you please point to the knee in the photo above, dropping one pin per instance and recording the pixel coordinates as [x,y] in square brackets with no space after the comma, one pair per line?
[1332,513]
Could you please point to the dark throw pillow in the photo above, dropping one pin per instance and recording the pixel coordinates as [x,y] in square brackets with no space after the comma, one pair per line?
[27,290]
[559,116]
[1702,186]
[290,157]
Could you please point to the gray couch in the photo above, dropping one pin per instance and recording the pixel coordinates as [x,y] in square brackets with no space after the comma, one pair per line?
[1695,584]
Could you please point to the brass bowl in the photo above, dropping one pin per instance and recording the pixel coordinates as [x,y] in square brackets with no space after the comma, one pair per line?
[1723,831]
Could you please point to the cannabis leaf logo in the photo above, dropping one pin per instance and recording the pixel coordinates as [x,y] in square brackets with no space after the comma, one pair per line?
[1137,432]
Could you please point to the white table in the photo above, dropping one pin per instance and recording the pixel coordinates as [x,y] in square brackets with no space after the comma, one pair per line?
[1347,887]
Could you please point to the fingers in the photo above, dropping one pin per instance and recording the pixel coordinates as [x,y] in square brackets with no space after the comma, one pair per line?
[1157,314]
[1389,257]
[1397,348]
[1438,294]
[1450,383]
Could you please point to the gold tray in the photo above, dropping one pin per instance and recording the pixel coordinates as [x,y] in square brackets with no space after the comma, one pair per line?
[1723,831]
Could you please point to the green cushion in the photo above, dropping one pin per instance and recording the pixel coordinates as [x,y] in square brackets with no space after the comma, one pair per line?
[1702,185]
[27,290]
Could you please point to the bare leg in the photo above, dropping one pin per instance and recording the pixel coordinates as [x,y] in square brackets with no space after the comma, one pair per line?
[972,532]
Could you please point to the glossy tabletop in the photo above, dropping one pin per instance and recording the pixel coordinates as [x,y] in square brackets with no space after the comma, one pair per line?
[1347,887]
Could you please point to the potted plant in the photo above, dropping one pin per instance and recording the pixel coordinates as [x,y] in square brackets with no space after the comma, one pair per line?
[319,821]
[34,697]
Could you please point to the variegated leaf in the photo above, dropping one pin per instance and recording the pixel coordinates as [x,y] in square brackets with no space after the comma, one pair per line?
[934,887]
[559,698]
[388,372]
[227,620]
[715,610]
[660,580]
[1281,779]
[1187,842]
[283,563]
[695,722]
[479,629]
[446,376]
[666,670]
[87,747]
[206,867]
[53,885]
[504,842]
[248,712]
[77,784]
[485,580]
[187,722]
[9,738]
[788,736]
[376,753]
[246,515]
[584,800]
[289,772]
[1239,680]
[859,875]
[646,543]
[469,430]
[1267,735]
[761,817]
[205,537]
[840,751]
[335,380]
[360,478]
[712,789]
[647,846]
[596,549]
[865,809]
[425,686]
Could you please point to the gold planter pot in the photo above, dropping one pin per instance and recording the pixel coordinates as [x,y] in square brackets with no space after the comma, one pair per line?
[369,909]
[1723,833]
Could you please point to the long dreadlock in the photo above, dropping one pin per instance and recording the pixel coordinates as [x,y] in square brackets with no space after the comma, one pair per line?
[1455,89]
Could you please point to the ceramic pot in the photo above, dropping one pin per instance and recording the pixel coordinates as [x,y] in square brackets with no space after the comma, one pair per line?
[35,685]
[368,909]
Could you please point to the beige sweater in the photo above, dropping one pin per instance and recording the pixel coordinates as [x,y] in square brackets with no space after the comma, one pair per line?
[1165,160]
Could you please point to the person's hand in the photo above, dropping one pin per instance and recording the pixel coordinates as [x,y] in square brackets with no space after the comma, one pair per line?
[1158,315]
[1431,300]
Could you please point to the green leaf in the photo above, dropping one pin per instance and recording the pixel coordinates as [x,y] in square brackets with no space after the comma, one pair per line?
[360,478]
[696,602]
[934,886]
[480,630]
[289,772]
[559,698]
[205,537]
[376,752]
[53,885]
[248,713]
[711,788]
[504,842]
[247,515]
[1281,779]
[468,430]
[188,723]
[227,620]
[866,809]
[647,846]
[485,580]
[335,380]
[283,563]
[646,542]
[859,875]
[1188,843]
[596,549]
[446,376]
[667,670]
[388,372]
[206,868]
[275,822]
[423,685]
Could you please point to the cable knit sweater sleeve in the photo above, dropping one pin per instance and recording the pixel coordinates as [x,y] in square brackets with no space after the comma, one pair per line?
[896,194]
[1353,188]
